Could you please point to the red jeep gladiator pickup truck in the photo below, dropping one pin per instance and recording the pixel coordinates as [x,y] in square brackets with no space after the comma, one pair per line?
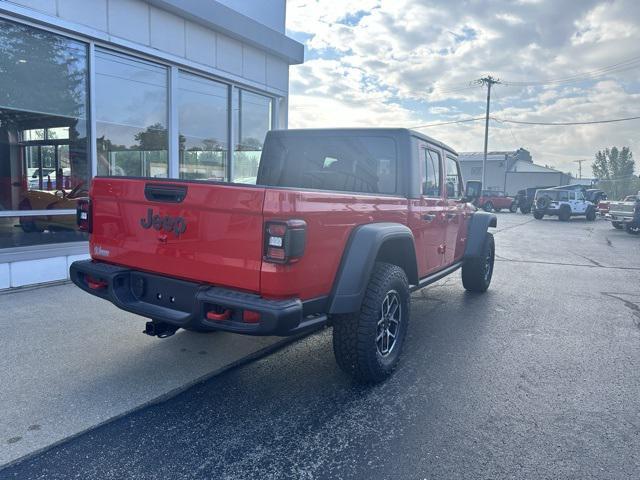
[340,227]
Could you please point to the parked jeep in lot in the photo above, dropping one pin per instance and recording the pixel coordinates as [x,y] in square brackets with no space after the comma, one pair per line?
[341,226]
[626,214]
[491,201]
[562,203]
[524,199]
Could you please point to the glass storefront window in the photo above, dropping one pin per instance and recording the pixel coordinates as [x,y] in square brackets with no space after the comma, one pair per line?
[131,116]
[203,126]
[44,162]
[252,120]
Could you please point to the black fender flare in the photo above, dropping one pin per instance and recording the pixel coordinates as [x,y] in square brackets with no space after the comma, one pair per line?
[479,224]
[390,242]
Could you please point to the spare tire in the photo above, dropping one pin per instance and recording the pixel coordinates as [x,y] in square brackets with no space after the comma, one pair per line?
[543,202]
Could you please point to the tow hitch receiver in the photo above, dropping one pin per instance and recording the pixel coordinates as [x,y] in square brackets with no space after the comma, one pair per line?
[159,329]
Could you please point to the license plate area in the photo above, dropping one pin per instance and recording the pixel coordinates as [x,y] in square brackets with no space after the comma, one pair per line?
[164,292]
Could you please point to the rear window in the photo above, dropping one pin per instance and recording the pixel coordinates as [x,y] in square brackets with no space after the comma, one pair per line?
[555,195]
[363,164]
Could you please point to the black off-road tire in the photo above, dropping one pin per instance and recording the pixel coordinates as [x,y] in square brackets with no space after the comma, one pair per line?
[354,335]
[525,210]
[632,228]
[565,214]
[487,207]
[477,272]
[617,225]
[513,208]
[538,215]
[591,214]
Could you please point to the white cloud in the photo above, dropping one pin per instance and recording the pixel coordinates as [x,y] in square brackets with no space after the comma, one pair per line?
[401,62]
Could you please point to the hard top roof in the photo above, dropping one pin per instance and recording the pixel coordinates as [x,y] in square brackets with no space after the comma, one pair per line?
[367,131]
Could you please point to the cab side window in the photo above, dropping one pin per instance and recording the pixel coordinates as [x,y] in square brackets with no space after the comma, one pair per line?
[431,178]
[454,179]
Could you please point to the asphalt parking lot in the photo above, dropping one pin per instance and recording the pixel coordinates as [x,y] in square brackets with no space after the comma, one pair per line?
[537,378]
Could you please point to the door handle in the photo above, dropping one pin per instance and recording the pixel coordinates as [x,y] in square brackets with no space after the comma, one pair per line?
[428,217]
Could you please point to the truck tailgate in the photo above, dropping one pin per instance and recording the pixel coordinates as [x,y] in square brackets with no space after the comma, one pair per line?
[199,231]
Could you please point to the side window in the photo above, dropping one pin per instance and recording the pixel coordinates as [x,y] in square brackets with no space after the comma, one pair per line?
[564,196]
[431,179]
[454,180]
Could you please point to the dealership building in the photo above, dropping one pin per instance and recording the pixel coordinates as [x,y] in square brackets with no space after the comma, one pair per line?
[153,88]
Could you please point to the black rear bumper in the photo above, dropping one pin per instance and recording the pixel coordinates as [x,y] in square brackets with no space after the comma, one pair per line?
[186,304]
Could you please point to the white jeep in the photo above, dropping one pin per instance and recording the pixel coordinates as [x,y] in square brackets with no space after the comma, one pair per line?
[563,203]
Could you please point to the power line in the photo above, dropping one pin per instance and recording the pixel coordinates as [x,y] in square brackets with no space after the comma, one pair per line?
[592,122]
[521,122]
[465,120]
[628,64]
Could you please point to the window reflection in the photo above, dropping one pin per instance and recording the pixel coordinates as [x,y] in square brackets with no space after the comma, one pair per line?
[203,123]
[252,119]
[131,116]
[43,133]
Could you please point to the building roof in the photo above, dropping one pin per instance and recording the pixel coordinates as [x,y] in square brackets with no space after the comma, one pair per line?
[522,166]
[478,156]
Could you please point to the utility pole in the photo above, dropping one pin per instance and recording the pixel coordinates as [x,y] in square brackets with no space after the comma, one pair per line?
[488,81]
[579,162]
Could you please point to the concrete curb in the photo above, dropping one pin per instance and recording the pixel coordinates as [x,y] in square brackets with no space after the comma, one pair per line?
[168,395]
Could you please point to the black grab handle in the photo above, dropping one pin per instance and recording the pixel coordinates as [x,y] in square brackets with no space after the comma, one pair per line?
[165,193]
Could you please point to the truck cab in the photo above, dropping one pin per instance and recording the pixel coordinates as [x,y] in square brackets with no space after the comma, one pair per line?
[335,216]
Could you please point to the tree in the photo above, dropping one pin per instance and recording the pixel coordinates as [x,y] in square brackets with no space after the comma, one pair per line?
[614,170]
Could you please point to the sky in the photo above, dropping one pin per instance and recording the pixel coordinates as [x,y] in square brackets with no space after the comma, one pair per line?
[406,63]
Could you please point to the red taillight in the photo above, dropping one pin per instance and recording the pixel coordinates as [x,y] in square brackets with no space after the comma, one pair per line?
[277,229]
[284,241]
[83,215]
[276,254]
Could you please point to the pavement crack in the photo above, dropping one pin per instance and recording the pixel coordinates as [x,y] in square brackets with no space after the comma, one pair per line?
[634,307]
[499,230]
[591,260]
[564,264]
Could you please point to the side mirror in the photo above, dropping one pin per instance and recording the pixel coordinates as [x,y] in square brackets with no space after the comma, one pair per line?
[473,190]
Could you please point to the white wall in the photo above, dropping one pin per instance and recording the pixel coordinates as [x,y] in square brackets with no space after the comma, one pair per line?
[144,24]
[494,178]
[31,272]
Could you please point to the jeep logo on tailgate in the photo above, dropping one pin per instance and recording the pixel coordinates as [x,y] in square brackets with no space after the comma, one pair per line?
[177,225]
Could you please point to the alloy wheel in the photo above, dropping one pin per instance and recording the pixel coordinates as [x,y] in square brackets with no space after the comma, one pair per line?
[389,323]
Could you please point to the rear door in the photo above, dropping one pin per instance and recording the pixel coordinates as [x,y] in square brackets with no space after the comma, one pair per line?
[455,213]
[199,231]
[427,214]
[578,202]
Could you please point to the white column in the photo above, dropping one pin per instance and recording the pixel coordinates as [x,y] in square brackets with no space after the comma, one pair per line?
[173,127]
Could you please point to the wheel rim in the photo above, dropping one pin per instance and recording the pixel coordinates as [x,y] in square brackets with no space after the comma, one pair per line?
[488,265]
[389,323]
